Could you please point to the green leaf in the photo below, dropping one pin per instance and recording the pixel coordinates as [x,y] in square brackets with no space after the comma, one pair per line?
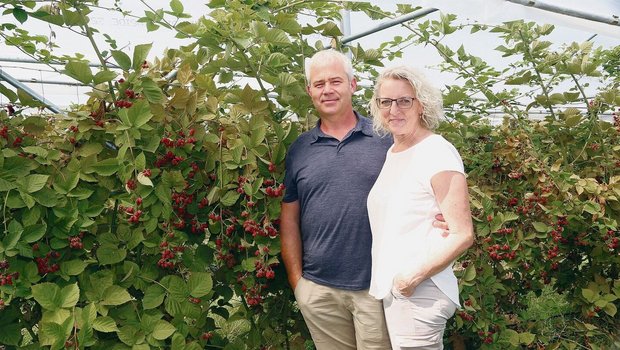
[8,93]
[65,181]
[13,236]
[69,295]
[79,71]
[470,273]
[6,185]
[139,114]
[143,179]
[152,91]
[89,313]
[454,96]
[592,207]
[163,330]
[81,193]
[109,255]
[229,198]
[20,14]
[249,264]
[31,217]
[610,309]
[199,284]
[258,135]
[73,267]
[572,120]
[26,99]
[176,288]
[153,297]
[47,295]
[588,294]
[140,161]
[10,334]
[46,197]
[122,59]
[178,342]
[540,227]
[526,338]
[277,37]
[33,233]
[174,179]
[557,98]
[115,295]
[130,335]
[520,80]
[72,18]
[36,150]
[107,167]
[511,336]
[51,334]
[140,54]
[90,149]
[104,76]
[176,6]
[33,183]
[28,199]
[105,324]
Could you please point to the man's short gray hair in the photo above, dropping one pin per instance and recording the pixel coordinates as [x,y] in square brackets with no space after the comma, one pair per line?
[330,55]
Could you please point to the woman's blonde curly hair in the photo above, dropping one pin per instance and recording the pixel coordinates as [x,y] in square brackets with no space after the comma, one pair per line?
[428,95]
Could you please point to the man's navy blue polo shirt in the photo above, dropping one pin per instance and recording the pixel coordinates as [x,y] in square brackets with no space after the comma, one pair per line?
[331,180]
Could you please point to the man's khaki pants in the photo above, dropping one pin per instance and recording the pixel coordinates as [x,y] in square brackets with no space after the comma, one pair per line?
[342,319]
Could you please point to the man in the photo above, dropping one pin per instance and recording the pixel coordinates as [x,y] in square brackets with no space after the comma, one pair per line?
[325,233]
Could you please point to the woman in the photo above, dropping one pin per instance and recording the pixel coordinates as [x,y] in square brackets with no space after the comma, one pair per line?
[422,176]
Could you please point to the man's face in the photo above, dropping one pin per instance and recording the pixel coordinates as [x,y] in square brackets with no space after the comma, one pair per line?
[330,88]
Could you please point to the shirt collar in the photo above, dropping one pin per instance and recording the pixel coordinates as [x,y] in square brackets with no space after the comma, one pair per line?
[363,125]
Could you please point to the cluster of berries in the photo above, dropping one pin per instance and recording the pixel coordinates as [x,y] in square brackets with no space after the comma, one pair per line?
[612,240]
[7,278]
[167,257]
[274,191]
[4,132]
[45,265]
[180,141]
[501,252]
[75,242]
[168,158]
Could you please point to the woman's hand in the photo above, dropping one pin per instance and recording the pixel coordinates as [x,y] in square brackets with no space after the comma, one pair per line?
[405,284]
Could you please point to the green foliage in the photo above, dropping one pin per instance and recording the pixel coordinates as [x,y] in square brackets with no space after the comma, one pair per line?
[148,216]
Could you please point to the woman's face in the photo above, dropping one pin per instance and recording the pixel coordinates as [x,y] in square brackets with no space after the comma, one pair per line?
[400,121]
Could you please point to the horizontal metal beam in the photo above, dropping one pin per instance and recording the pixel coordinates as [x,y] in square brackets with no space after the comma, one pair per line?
[19,85]
[51,82]
[396,21]
[56,63]
[568,12]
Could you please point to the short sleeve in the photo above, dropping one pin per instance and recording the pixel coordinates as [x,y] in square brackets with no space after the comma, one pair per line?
[439,155]
[290,181]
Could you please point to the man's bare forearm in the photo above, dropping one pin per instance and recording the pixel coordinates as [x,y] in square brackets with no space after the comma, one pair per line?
[290,238]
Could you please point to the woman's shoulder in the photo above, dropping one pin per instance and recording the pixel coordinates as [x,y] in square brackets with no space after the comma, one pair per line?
[436,141]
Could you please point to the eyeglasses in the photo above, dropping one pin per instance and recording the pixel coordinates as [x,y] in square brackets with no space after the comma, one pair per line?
[401,102]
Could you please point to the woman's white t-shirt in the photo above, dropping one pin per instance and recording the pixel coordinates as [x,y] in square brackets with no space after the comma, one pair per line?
[402,207]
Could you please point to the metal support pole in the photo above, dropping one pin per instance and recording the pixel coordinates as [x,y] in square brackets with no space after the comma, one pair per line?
[569,12]
[390,23]
[19,85]
[345,26]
